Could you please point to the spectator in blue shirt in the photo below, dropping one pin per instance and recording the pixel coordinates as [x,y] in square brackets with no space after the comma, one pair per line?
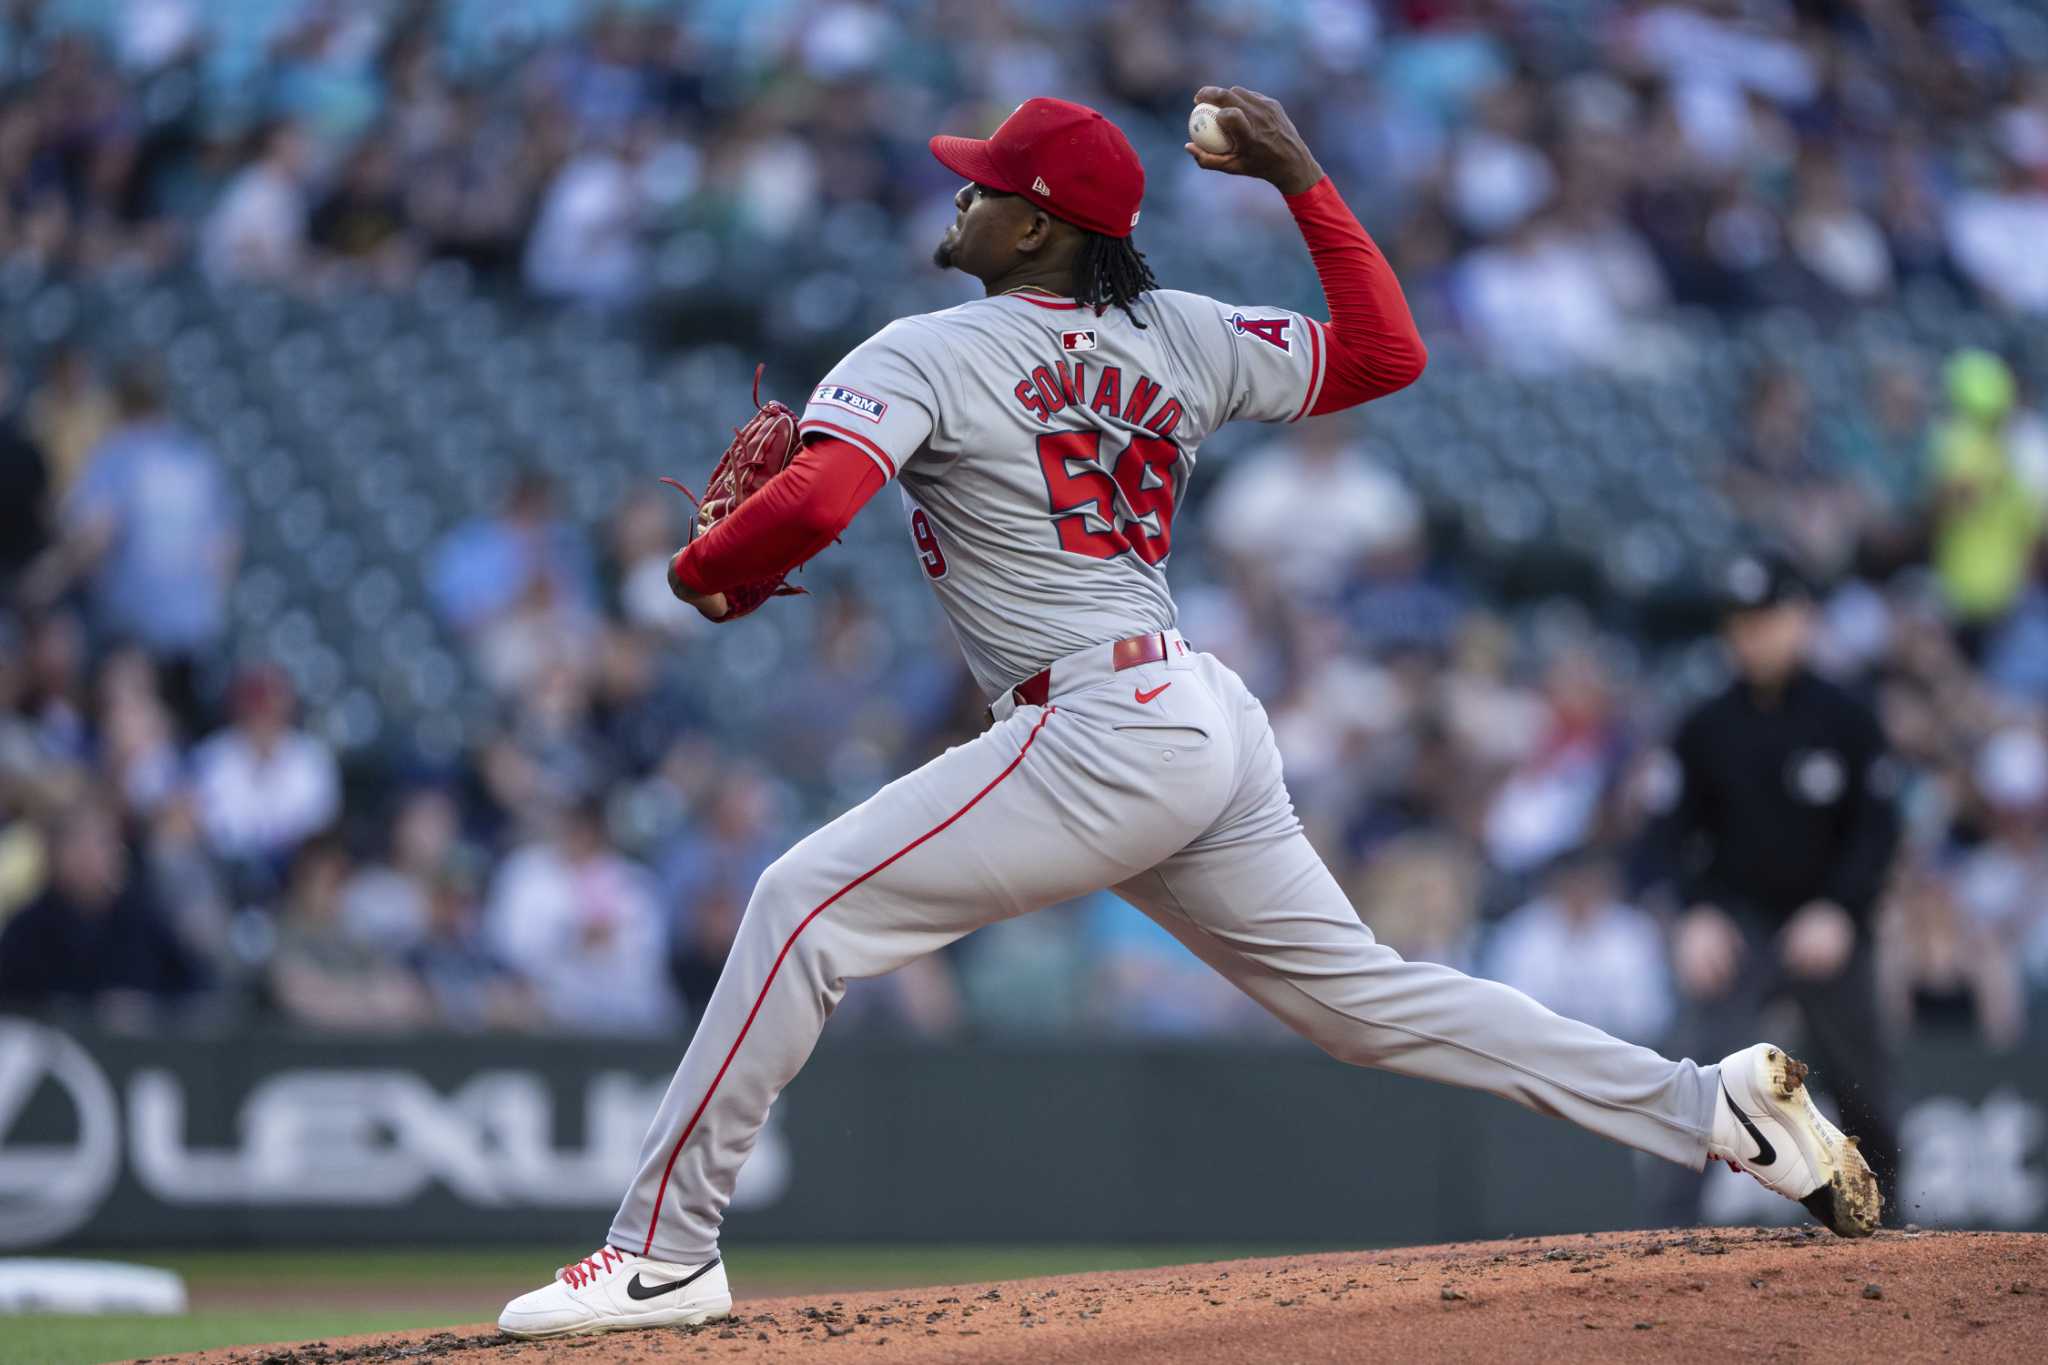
[155,526]
[485,567]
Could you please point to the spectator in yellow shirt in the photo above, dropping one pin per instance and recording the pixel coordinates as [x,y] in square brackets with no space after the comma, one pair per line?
[1986,521]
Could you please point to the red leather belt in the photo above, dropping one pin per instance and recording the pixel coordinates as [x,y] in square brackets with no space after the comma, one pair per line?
[1139,649]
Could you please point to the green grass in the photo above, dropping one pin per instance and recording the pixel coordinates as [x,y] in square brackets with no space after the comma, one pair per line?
[246,1297]
[41,1340]
[762,1270]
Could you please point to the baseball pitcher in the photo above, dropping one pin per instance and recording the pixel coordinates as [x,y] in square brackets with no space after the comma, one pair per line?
[1043,437]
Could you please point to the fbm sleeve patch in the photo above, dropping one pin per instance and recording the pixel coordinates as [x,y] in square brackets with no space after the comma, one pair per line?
[853,400]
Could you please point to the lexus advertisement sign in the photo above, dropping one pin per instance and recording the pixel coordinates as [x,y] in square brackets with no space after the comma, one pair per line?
[230,1131]
[128,1141]
[53,1177]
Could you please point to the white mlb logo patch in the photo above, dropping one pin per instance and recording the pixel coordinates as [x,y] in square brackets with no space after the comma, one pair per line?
[1078,341]
[853,400]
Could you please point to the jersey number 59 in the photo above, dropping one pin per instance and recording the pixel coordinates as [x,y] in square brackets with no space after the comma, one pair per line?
[1084,498]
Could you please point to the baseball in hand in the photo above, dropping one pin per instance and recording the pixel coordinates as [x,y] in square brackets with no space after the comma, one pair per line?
[1204,131]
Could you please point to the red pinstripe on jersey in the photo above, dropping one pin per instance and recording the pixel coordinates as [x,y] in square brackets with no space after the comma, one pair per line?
[1315,369]
[661,1193]
[851,437]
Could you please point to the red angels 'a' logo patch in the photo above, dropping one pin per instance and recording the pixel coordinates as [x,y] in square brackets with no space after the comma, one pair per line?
[1272,331]
[1083,340]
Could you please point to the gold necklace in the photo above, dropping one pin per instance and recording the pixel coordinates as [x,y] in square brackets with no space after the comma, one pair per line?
[1034,288]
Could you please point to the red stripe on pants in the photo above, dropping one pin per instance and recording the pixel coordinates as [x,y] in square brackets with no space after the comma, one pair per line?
[654,1219]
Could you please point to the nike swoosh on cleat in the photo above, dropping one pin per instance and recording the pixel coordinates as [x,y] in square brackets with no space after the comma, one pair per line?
[1766,1154]
[1144,697]
[635,1289]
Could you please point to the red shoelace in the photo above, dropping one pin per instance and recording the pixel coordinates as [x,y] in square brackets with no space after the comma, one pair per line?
[585,1271]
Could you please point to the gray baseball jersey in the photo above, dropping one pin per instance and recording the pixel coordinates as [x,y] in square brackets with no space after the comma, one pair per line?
[1043,450]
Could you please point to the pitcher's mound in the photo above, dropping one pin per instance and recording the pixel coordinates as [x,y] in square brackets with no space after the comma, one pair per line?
[1710,1295]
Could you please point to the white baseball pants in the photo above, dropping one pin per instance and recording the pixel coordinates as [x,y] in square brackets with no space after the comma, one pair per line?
[1163,782]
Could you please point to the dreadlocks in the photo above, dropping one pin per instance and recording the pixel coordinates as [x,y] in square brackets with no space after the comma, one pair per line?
[1110,270]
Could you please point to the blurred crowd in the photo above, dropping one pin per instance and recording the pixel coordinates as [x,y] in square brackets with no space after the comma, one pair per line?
[1552,179]
[1483,777]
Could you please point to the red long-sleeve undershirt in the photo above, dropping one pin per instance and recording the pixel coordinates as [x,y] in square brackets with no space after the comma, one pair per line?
[796,514]
[1372,349]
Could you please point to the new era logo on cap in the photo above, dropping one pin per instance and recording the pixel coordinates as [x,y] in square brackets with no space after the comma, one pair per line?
[1078,341]
[1038,183]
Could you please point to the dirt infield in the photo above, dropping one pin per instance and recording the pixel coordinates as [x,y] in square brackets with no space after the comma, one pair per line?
[1711,1295]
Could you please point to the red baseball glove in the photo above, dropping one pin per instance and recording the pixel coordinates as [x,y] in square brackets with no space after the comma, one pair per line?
[759,451]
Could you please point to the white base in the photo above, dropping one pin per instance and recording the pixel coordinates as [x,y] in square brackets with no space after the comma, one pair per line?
[88,1287]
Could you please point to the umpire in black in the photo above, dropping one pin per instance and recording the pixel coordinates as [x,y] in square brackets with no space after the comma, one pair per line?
[1779,840]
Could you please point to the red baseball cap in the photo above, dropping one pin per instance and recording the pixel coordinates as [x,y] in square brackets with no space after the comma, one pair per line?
[1066,158]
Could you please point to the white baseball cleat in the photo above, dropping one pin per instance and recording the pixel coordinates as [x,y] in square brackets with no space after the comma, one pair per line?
[613,1291]
[1766,1124]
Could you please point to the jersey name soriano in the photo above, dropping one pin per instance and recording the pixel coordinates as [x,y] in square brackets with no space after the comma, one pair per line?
[1043,450]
